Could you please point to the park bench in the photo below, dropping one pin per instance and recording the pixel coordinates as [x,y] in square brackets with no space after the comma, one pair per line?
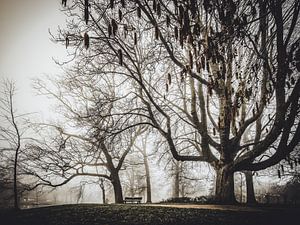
[138,200]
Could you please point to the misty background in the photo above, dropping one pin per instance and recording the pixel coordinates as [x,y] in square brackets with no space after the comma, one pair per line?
[26,52]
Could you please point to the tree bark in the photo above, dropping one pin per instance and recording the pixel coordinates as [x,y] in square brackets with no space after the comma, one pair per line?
[117,187]
[103,195]
[250,188]
[225,186]
[176,180]
[101,184]
[148,181]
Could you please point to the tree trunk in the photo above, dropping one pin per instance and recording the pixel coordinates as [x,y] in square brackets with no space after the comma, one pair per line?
[16,198]
[225,186]
[101,184]
[148,181]
[250,188]
[103,195]
[117,188]
[176,180]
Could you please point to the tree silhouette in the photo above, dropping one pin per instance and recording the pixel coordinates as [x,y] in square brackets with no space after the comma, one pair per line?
[226,67]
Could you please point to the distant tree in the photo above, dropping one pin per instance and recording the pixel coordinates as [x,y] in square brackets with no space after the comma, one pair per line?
[102,184]
[143,151]
[224,65]
[86,142]
[11,131]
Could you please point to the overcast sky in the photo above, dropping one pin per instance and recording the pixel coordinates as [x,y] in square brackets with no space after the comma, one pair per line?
[25,47]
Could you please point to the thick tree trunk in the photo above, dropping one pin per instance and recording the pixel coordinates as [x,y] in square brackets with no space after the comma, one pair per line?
[225,186]
[250,188]
[117,188]
[148,181]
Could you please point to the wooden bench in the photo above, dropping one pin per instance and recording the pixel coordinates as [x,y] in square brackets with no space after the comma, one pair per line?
[138,200]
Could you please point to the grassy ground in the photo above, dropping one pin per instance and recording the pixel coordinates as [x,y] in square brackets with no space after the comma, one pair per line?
[89,214]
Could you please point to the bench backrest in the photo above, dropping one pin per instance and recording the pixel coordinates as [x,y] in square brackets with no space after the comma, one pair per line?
[133,198]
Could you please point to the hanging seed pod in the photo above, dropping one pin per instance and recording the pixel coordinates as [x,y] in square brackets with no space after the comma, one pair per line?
[154,5]
[175,3]
[156,33]
[186,23]
[135,38]
[120,56]
[181,76]
[86,40]
[257,108]
[190,39]
[109,29]
[139,12]
[64,3]
[176,32]
[253,112]
[120,15]
[207,67]
[123,3]
[214,131]
[267,131]
[125,30]
[278,173]
[167,87]
[114,26]
[202,62]
[169,78]
[67,42]
[111,4]
[181,38]
[86,11]
[198,67]
[282,169]
[158,9]
[188,68]
[181,13]
[193,7]
[191,59]
[168,21]
[196,30]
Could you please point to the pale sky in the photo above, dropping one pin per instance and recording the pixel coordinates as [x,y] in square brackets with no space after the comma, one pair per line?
[26,50]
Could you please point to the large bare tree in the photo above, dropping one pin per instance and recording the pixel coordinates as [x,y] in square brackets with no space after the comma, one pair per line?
[205,72]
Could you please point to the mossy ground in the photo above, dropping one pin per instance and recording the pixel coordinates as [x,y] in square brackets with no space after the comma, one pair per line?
[92,214]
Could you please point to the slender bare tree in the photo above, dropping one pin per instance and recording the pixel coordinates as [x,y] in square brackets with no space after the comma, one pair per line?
[10,134]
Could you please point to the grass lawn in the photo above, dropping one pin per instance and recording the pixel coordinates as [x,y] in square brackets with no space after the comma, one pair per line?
[89,214]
